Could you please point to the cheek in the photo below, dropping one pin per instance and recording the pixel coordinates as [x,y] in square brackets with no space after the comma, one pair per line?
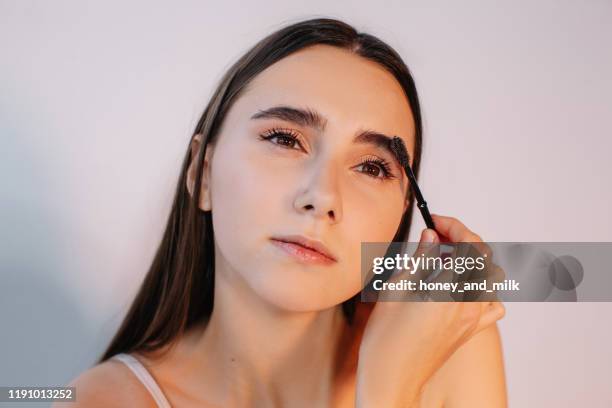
[373,216]
[246,199]
[369,217]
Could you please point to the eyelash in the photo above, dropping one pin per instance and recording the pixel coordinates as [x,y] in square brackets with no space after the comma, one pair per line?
[290,135]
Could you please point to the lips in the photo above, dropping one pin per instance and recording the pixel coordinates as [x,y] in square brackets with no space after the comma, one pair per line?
[305,249]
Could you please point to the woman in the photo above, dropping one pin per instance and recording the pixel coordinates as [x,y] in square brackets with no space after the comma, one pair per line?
[236,310]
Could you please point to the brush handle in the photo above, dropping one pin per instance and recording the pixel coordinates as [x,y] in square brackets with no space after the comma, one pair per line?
[401,154]
[421,203]
[426,215]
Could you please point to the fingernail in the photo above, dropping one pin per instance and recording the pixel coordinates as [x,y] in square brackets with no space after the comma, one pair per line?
[428,236]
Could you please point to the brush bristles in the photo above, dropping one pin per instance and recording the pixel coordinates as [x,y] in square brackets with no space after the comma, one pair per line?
[398,146]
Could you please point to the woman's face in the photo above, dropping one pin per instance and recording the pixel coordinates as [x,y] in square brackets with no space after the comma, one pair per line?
[276,173]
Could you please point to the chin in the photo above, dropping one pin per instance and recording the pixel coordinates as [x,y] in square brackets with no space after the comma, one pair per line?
[299,294]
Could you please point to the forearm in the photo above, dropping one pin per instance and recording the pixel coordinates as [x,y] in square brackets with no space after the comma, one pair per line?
[393,391]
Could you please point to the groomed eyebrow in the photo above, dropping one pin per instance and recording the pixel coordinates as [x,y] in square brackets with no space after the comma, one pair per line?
[313,119]
[304,117]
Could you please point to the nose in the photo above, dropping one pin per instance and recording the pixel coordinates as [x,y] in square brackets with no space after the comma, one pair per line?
[321,196]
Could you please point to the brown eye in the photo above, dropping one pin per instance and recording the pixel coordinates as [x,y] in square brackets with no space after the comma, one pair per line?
[283,138]
[371,169]
[376,168]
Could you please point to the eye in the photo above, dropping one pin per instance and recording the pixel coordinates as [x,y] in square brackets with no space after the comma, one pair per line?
[285,138]
[376,168]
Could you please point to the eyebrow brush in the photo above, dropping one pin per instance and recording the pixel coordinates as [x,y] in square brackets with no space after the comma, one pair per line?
[399,148]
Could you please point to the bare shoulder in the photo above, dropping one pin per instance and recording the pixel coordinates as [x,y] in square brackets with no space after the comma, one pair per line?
[108,384]
[474,375]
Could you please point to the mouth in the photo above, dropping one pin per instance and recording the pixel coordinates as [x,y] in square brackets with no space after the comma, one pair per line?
[304,249]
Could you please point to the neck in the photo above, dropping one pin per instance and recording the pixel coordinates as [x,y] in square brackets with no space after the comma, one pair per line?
[256,353]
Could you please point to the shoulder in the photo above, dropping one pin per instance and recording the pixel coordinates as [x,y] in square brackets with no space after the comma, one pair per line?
[474,375]
[108,384]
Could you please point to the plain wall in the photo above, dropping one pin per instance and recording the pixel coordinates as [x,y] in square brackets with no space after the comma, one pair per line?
[98,102]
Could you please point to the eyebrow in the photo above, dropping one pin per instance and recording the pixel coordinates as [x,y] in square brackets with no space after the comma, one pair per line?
[304,117]
[313,119]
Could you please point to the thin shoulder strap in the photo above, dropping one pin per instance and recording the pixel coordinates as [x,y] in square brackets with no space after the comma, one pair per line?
[145,377]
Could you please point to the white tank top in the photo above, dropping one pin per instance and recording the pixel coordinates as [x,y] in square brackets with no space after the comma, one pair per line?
[145,377]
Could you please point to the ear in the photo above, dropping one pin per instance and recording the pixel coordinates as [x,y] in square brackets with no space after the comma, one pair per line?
[205,200]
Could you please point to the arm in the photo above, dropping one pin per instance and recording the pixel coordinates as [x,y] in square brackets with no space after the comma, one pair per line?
[475,373]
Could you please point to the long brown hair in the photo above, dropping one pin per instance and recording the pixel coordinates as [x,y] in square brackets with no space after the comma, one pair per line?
[177,291]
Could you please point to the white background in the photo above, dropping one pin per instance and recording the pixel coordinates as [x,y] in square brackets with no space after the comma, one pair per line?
[98,101]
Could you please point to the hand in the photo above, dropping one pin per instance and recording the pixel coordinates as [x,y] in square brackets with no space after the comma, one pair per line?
[404,343]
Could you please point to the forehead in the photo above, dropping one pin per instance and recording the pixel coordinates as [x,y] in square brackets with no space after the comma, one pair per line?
[350,91]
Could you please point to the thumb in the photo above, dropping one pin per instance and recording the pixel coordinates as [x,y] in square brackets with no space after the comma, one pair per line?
[429,238]
[429,247]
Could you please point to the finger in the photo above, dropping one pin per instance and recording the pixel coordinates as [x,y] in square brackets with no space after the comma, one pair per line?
[445,276]
[453,229]
[429,238]
[427,248]
[496,274]
[492,312]
[460,275]
[491,275]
